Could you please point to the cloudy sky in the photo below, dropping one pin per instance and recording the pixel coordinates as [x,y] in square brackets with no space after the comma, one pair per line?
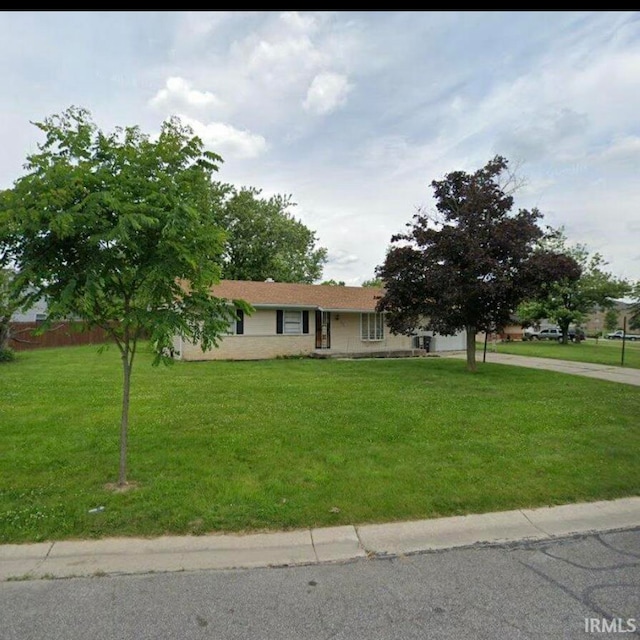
[355,113]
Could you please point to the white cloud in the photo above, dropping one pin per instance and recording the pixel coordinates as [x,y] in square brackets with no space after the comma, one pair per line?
[262,65]
[560,108]
[294,20]
[327,92]
[178,91]
[226,139]
[281,58]
[625,148]
[199,23]
[195,28]
[342,258]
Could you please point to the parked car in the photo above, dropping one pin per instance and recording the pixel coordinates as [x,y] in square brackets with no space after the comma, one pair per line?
[618,335]
[542,334]
[553,333]
[549,334]
[577,335]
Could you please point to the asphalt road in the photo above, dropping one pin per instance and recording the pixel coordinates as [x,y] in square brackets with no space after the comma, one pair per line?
[535,590]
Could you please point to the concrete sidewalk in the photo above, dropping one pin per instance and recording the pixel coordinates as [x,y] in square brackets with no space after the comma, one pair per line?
[310,546]
[626,375]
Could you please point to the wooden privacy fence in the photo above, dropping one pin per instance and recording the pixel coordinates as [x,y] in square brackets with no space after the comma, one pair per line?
[61,334]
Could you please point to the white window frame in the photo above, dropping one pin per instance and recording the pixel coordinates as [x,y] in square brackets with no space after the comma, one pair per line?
[372,327]
[294,325]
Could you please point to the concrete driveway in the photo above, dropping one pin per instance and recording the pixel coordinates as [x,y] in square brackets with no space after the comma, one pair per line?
[625,375]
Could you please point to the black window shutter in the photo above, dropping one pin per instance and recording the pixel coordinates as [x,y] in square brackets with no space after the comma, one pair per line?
[240,322]
[305,322]
[279,321]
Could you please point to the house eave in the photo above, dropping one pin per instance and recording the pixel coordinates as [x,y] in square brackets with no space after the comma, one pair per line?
[345,310]
[272,305]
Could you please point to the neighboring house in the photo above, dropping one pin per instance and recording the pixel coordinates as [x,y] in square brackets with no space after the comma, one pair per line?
[510,333]
[305,319]
[25,325]
[36,313]
[595,322]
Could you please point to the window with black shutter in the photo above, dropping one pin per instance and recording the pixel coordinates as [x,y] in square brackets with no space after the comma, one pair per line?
[239,322]
[292,322]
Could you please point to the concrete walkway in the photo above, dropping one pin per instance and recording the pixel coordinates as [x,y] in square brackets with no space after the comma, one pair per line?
[626,375]
[310,546]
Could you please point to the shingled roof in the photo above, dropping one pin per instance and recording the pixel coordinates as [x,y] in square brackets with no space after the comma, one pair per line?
[313,296]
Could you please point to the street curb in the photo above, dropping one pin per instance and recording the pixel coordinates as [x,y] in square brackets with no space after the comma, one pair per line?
[111,556]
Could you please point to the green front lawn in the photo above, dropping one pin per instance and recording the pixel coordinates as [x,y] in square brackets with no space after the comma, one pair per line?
[598,352]
[234,446]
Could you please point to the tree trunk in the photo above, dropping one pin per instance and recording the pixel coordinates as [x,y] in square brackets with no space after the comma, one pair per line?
[564,327]
[471,348]
[127,363]
[4,334]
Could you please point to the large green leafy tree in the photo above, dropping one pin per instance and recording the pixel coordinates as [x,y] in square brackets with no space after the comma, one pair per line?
[611,320]
[467,268]
[264,239]
[569,299]
[107,227]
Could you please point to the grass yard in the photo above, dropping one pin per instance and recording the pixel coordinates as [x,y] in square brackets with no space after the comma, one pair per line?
[601,352]
[237,446]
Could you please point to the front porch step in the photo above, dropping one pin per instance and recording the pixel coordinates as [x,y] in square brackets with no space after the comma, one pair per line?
[397,353]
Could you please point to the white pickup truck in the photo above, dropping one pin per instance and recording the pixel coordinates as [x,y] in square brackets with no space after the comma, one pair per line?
[617,335]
